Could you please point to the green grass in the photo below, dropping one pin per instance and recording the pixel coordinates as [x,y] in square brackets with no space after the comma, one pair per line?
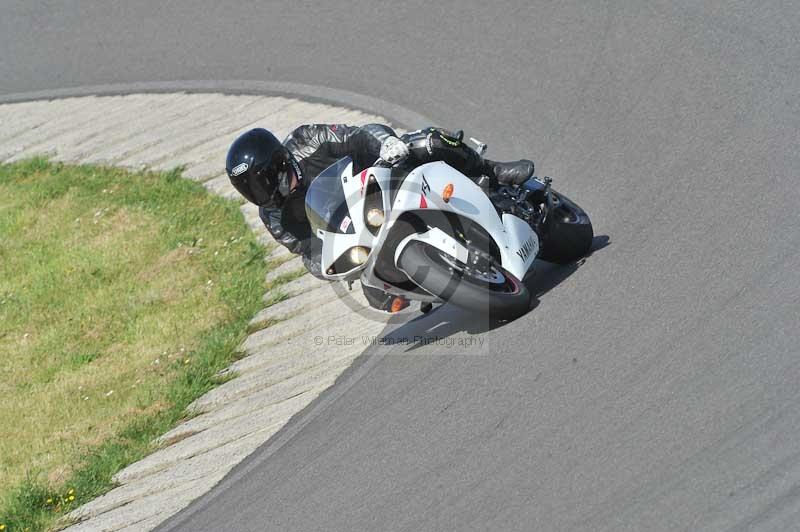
[121,296]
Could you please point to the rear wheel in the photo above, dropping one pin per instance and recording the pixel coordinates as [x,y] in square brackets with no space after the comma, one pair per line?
[567,234]
[481,286]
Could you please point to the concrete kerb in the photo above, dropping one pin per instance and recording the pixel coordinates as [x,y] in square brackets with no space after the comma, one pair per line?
[277,380]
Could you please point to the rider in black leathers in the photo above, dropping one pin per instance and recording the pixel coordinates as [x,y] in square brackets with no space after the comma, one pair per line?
[275,176]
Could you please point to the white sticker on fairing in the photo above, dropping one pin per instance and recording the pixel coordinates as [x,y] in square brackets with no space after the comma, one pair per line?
[239,169]
[345,224]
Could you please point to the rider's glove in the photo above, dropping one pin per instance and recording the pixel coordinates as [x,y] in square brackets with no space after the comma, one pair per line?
[394,150]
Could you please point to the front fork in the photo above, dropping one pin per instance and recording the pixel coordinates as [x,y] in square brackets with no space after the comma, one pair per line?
[436,238]
[471,257]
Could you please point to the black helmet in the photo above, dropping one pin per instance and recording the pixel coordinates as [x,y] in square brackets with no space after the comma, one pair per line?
[257,165]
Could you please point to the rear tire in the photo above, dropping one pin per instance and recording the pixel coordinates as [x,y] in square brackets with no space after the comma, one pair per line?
[568,232]
[503,298]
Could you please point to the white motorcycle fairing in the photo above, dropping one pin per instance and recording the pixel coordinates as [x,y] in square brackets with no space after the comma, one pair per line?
[334,245]
[421,190]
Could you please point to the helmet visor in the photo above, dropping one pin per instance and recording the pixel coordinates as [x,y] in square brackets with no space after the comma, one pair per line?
[262,185]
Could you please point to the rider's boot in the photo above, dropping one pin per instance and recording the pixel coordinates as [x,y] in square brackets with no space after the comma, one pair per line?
[510,173]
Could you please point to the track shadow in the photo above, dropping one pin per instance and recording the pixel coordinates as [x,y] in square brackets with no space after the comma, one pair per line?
[448,320]
[545,276]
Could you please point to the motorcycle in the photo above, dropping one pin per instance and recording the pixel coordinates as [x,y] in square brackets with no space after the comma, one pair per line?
[434,235]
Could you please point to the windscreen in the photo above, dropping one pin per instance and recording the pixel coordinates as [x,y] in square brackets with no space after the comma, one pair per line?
[326,206]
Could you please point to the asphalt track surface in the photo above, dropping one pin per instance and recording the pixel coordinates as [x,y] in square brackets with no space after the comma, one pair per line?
[654,386]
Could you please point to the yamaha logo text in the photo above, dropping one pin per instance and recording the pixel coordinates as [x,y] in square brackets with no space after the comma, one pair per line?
[525,251]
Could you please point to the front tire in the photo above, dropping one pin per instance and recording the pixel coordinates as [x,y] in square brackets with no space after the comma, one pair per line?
[494,291]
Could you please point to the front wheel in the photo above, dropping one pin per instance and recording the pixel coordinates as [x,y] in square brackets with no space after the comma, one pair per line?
[484,286]
[567,233]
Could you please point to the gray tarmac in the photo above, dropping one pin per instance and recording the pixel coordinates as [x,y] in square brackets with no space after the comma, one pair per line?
[653,386]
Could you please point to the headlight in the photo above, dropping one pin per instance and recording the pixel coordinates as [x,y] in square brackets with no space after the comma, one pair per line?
[358,255]
[375,217]
[373,206]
